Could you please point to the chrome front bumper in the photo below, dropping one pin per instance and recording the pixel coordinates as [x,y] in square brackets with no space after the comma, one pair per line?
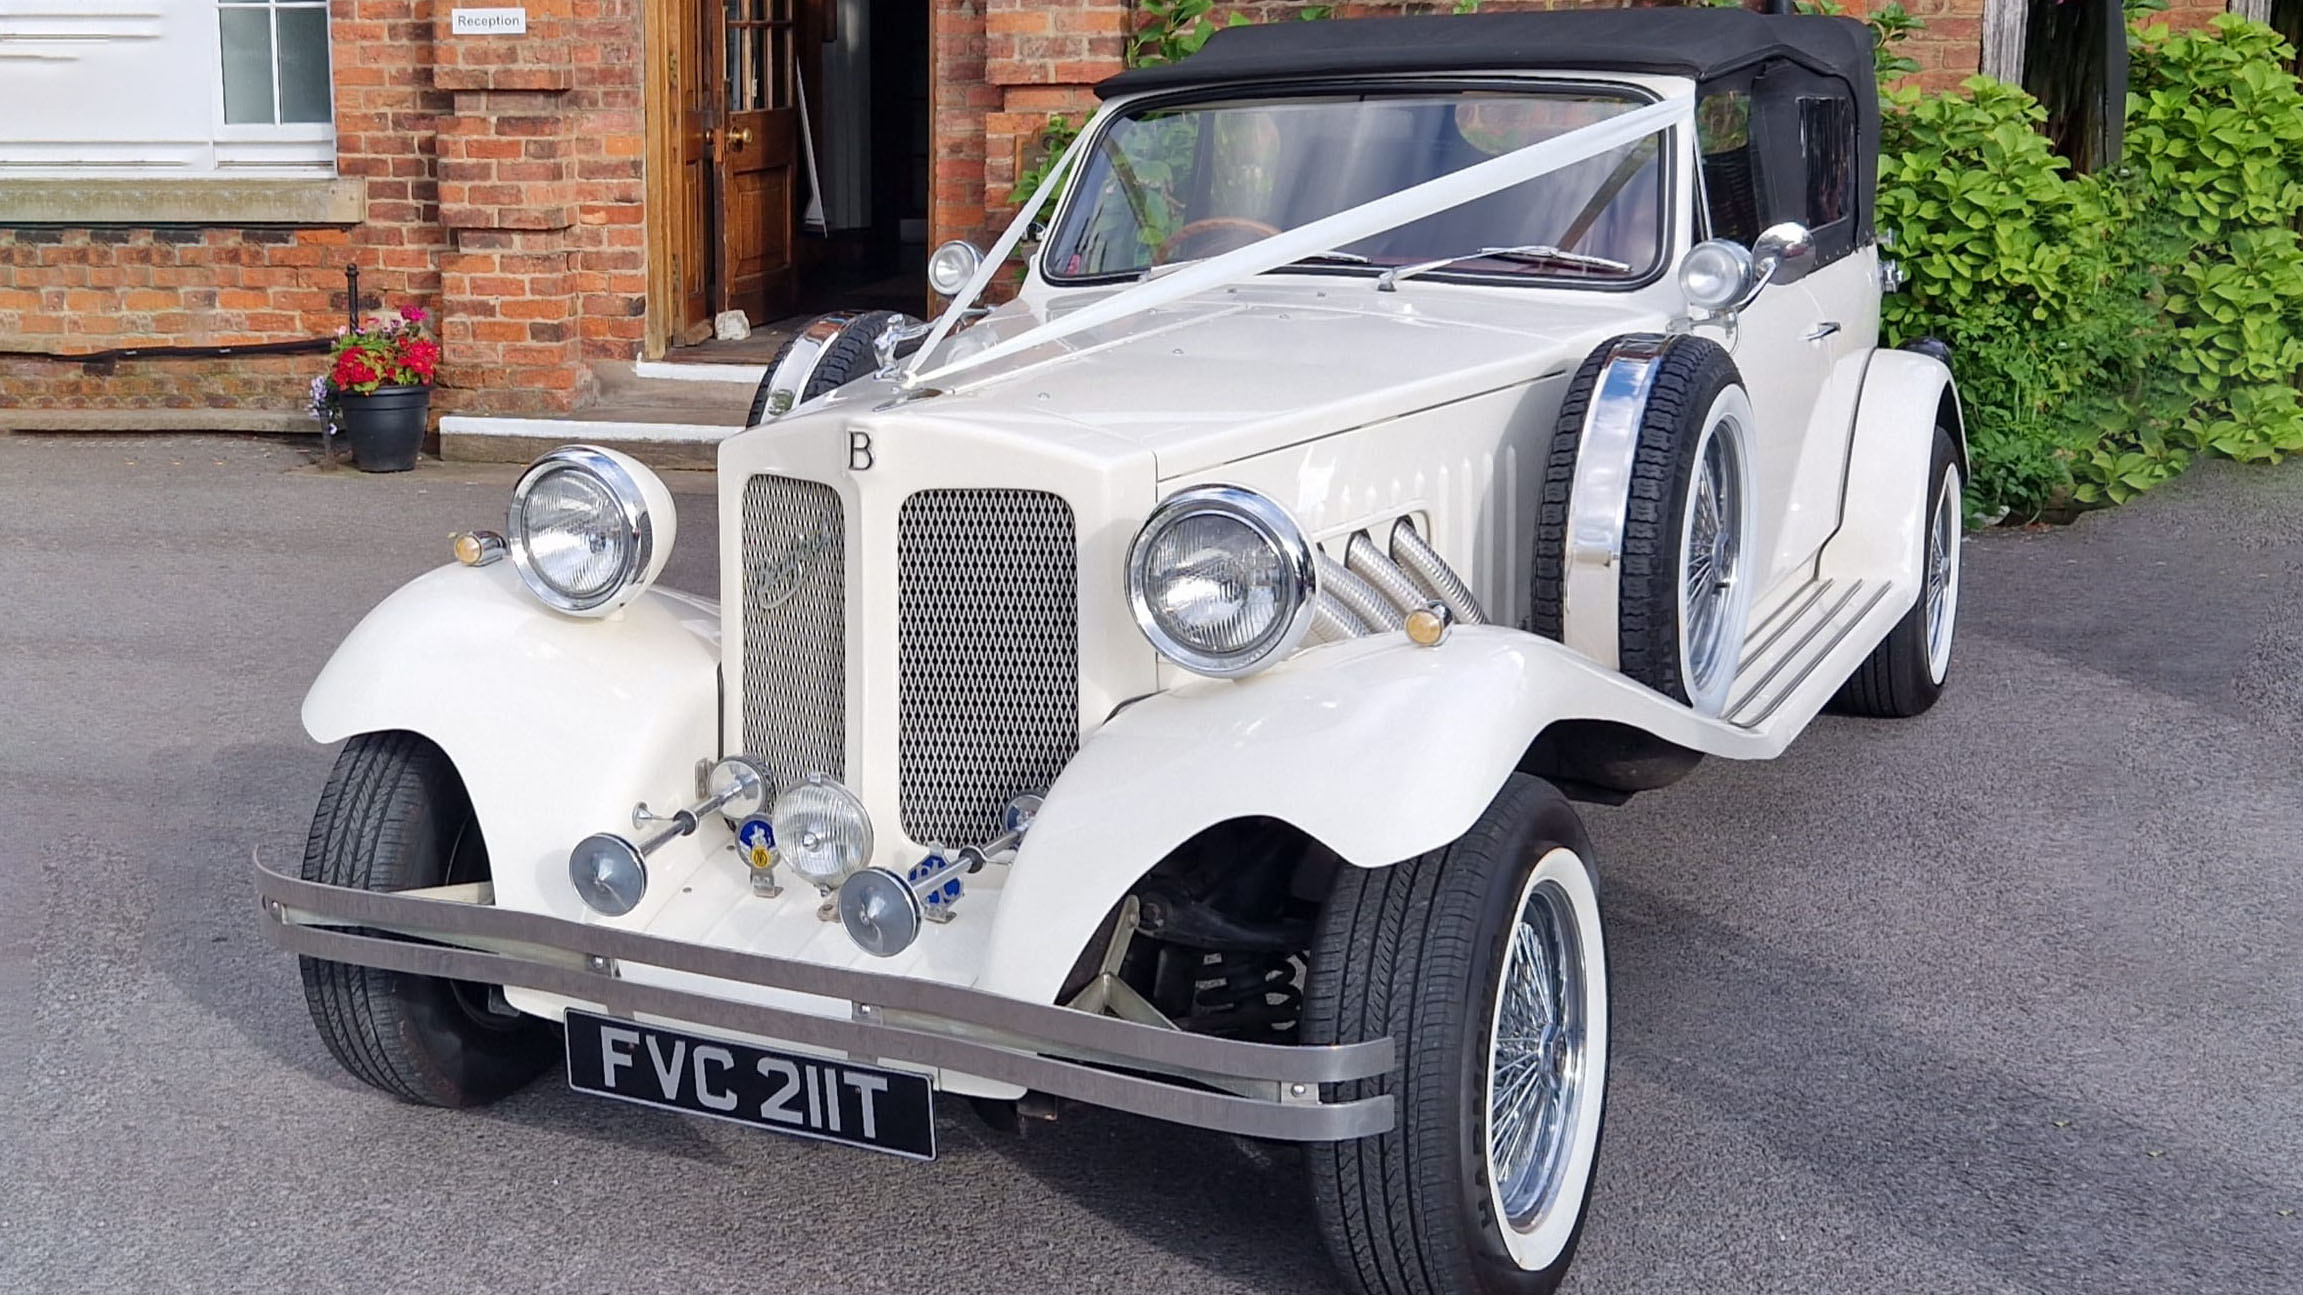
[1257,1089]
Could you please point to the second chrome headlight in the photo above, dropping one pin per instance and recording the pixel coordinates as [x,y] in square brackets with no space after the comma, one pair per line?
[589,529]
[1221,580]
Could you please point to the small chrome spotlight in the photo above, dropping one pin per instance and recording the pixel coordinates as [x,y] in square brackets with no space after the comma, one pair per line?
[742,787]
[1015,820]
[952,266]
[609,872]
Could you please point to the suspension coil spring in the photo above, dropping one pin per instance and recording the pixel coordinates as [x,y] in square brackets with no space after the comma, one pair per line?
[1246,993]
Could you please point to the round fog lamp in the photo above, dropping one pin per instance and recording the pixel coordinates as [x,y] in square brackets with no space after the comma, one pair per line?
[952,265]
[1714,275]
[608,873]
[880,911]
[822,832]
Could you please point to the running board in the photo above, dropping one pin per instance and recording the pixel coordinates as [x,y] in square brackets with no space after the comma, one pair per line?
[1781,652]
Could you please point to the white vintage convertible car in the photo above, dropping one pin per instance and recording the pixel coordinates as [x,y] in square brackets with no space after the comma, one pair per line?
[1170,689]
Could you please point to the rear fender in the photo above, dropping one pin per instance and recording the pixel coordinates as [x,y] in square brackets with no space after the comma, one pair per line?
[1375,748]
[557,725]
[1885,508]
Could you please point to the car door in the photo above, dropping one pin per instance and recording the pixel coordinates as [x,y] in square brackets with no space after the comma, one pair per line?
[1779,147]
[1784,367]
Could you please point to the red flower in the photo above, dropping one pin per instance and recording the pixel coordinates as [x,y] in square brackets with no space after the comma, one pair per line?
[422,358]
[352,369]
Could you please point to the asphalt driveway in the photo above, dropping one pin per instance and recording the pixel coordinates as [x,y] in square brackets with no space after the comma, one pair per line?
[2009,998]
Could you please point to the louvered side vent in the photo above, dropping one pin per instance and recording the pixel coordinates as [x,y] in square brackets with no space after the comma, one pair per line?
[795,628]
[989,653]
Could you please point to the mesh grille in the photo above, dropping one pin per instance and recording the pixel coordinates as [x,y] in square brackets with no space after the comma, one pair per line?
[989,608]
[795,628]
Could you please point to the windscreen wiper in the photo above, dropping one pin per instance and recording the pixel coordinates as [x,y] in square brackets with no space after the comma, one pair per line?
[1526,254]
[1331,258]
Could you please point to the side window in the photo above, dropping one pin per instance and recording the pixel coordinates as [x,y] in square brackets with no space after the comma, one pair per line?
[1731,179]
[1827,141]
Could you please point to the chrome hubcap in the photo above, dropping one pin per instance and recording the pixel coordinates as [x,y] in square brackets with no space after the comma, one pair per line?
[1712,560]
[1942,594]
[1535,1060]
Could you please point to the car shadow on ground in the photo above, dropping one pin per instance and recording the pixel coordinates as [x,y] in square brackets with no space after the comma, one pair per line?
[2030,1184]
[211,943]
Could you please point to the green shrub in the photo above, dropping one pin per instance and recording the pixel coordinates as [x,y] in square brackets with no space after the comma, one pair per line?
[2107,328]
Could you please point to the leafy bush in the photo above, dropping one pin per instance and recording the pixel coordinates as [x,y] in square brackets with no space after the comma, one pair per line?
[2107,328]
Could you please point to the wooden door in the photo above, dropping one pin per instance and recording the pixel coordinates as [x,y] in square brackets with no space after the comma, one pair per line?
[692,82]
[758,156]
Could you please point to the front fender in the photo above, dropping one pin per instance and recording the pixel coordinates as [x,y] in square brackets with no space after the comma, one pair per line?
[1377,749]
[557,725]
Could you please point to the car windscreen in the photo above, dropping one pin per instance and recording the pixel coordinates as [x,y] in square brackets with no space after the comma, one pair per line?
[1178,182]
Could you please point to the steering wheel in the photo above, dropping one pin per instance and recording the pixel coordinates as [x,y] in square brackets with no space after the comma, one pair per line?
[1217,226]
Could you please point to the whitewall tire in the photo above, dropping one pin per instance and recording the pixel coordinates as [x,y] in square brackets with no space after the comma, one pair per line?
[1485,963]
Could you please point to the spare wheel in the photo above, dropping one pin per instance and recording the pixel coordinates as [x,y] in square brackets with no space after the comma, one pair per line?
[1646,538]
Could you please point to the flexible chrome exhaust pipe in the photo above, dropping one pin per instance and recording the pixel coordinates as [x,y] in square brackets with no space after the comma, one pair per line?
[1358,597]
[1331,623]
[1366,561]
[1433,575]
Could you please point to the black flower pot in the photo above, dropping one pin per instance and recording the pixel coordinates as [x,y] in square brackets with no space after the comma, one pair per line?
[387,428]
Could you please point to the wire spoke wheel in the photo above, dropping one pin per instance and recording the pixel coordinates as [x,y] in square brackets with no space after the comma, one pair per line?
[1535,1058]
[1485,961]
[1942,575]
[1712,560]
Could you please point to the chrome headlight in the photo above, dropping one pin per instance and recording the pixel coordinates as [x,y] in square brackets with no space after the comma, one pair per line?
[589,529]
[1222,581]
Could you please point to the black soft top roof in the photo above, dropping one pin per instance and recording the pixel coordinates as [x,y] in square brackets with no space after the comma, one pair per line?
[1696,42]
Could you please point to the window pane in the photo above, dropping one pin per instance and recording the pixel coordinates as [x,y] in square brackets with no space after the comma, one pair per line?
[780,68]
[1730,164]
[247,66]
[1827,138]
[304,65]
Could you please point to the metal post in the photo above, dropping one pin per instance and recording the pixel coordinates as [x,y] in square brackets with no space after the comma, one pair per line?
[352,295]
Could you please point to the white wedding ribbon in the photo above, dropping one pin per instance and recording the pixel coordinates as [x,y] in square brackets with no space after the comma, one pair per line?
[1322,235]
[998,256]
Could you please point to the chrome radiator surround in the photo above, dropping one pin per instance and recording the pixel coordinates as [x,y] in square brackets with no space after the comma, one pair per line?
[795,674]
[987,657]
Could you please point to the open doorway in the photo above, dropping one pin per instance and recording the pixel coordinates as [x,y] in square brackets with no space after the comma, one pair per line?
[791,141]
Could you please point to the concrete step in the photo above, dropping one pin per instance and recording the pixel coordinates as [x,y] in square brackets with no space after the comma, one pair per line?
[664,422]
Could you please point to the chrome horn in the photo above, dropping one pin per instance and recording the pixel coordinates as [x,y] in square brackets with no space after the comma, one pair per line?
[610,872]
[883,909]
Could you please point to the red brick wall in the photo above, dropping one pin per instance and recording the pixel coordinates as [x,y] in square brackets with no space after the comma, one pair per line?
[1044,58]
[504,184]
[504,193]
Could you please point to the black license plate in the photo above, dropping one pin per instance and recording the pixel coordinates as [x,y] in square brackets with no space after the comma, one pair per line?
[812,1097]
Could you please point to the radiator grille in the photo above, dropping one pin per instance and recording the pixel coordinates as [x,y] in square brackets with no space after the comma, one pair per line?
[989,655]
[795,628]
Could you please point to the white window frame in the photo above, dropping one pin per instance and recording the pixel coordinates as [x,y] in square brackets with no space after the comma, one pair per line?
[247,146]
